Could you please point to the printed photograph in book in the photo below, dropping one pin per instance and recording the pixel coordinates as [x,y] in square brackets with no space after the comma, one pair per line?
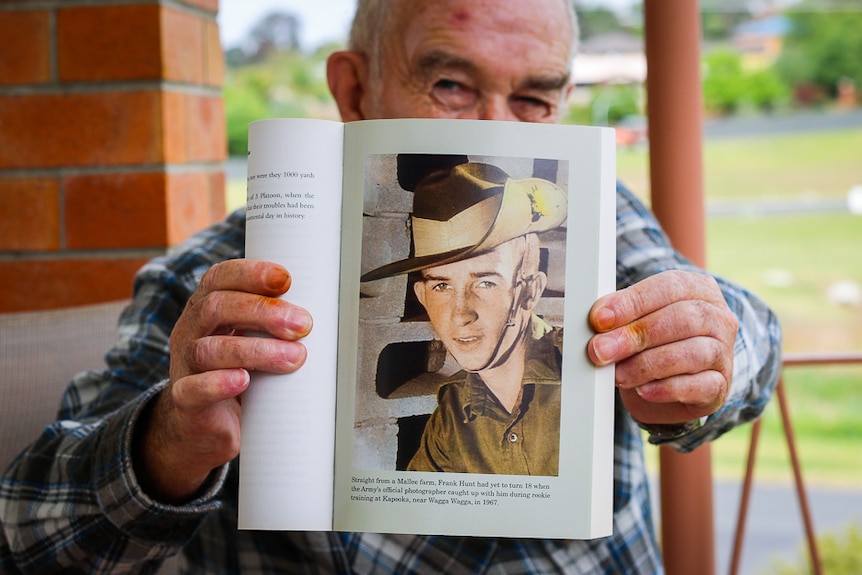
[461,314]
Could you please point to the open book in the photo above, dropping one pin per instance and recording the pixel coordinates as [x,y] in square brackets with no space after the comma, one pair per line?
[449,266]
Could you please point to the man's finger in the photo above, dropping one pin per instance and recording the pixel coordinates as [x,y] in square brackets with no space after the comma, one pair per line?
[647,296]
[675,322]
[225,311]
[663,413]
[677,399]
[705,389]
[252,276]
[252,353]
[691,356]
[203,390]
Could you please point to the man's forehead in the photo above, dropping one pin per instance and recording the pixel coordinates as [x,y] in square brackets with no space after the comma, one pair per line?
[549,19]
[495,261]
[476,12]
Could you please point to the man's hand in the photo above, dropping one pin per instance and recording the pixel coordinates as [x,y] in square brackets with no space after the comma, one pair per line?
[193,427]
[671,336]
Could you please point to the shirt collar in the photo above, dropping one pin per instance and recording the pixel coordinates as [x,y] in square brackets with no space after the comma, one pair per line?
[542,368]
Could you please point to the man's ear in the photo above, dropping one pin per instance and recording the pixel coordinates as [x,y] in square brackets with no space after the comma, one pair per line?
[347,74]
[564,102]
[533,289]
[419,290]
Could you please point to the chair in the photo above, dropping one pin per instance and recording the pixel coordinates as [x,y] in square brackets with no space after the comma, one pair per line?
[40,351]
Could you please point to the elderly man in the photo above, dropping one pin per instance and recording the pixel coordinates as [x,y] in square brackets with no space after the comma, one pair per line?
[138,467]
[502,413]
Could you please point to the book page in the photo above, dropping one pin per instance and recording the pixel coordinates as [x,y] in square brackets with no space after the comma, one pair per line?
[394,362]
[288,421]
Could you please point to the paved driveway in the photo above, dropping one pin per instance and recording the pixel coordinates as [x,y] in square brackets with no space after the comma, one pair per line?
[774,527]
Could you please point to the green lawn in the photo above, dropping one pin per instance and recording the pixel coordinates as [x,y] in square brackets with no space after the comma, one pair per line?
[791,261]
[824,404]
[767,168]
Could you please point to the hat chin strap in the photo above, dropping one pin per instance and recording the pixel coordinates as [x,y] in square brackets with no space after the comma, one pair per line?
[497,358]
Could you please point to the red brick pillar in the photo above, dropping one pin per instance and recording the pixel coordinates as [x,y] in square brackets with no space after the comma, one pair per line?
[112,138]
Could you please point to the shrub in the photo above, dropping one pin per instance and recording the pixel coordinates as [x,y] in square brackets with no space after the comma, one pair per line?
[243,104]
[839,555]
[723,82]
[765,89]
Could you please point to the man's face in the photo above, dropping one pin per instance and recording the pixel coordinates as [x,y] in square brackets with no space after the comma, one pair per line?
[468,302]
[479,59]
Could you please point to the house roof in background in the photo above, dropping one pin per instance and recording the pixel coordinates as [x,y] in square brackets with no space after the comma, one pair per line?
[777,25]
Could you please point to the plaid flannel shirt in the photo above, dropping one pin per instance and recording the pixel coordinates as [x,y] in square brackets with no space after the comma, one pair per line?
[71,503]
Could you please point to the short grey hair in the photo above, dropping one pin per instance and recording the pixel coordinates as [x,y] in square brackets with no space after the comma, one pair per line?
[368,24]
[371,17]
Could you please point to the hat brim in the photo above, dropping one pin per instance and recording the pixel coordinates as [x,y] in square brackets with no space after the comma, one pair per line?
[408,265]
[529,205]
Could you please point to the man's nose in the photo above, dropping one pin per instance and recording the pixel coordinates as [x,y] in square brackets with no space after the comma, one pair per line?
[496,107]
[463,310]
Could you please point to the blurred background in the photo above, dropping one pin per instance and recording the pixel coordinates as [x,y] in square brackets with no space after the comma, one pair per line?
[783,184]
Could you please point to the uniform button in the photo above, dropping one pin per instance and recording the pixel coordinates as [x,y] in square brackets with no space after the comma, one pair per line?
[513,438]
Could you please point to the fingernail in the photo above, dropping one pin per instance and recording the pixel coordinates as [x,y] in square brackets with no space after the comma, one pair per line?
[245,379]
[299,321]
[295,354]
[276,279]
[605,319]
[240,380]
[605,348]
[645,389]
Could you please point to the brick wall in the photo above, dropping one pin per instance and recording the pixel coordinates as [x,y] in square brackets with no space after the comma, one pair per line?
[112,138]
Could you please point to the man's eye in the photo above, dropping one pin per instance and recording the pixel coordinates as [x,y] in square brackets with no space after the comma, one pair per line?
[441,286]
[453,94]
[532,109]
[447,85]
[486,284]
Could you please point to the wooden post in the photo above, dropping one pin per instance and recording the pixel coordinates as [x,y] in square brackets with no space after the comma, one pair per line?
[672,32]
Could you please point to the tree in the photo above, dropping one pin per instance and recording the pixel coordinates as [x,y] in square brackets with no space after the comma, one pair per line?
[718,18]
[765,89]
[276,32]
[723,81]
[284,84]
[245,101]
[596,20]
[611,103]
[823,47]
[727,85]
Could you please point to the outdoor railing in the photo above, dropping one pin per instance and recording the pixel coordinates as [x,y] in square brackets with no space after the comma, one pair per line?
[790,360]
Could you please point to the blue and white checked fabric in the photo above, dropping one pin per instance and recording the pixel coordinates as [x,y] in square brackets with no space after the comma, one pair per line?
[71,502]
